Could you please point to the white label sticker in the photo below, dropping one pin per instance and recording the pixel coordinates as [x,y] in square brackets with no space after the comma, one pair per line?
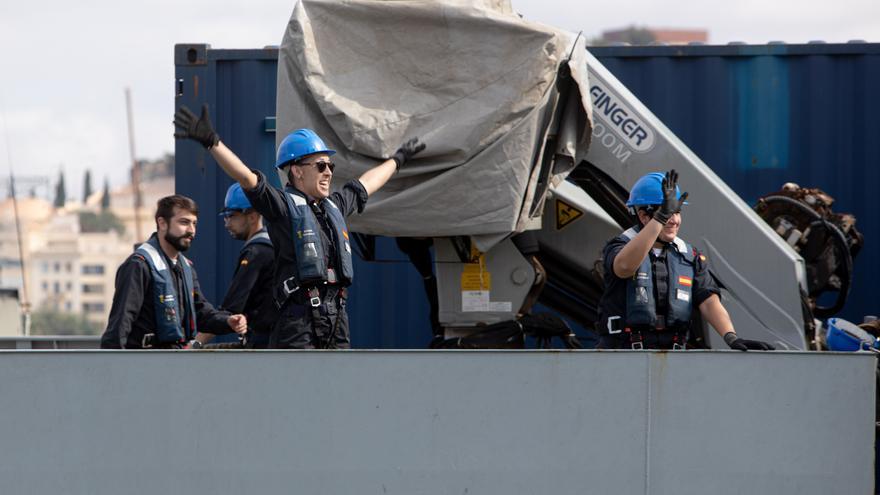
[683,295]
[501,306]
[474,300]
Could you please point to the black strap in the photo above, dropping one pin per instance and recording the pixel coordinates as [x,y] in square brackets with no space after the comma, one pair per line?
[333,295]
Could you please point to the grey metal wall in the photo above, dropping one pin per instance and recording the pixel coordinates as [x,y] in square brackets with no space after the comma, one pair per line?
[107,422]
[761,116]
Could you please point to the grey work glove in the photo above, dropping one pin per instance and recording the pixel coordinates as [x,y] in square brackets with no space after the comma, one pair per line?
[739,344]
[198,129]
[671,205]
[407,151]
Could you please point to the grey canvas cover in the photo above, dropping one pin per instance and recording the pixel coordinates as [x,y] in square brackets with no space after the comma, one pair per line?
[474,81]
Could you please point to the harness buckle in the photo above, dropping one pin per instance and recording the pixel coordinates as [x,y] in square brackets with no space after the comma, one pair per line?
[676,346]
[611,329]
[636,345]
[314,298]
[287,290]
[147,340]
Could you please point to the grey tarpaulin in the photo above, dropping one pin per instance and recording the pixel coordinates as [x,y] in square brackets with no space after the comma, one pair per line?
[477,83]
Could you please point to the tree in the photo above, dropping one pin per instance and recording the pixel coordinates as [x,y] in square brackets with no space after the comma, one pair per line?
[105,198]
[60,192]
[105,221]
[48,321]
[87,185]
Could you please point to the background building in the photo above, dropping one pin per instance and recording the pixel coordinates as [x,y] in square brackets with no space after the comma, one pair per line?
[647,35]
[70,253]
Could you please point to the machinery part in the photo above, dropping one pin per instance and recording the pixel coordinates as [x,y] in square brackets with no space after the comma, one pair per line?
[605,191]
[502,335]
[543,327]
[827,241]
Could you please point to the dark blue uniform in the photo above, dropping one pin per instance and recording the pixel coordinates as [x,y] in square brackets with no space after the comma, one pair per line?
[133,314]
[250,291]
[613,303]
[297,327]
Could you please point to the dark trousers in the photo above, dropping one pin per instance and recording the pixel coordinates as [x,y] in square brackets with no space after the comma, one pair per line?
[258,340]
[651,340]
[296,328]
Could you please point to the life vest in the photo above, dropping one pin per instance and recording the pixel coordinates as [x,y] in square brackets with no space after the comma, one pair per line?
[169,328]
[261,237]
[640,304]
[311,266]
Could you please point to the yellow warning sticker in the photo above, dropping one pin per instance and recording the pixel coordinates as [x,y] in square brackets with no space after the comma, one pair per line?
[474,276]
[565,214]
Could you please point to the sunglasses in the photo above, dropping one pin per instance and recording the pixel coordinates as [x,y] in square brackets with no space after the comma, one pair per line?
[322,166]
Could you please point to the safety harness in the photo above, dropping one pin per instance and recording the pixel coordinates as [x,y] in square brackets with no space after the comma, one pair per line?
[641,308]
[312,272]
[169,328]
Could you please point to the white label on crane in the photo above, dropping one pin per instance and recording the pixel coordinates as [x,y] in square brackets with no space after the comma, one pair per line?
[500,307]
[474,300]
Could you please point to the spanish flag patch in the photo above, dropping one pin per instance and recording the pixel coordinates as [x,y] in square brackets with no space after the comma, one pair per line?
[345,234]
[686,281]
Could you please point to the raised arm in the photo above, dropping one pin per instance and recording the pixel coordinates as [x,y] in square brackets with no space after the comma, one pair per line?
[631,256]
[201,130]
[377,176]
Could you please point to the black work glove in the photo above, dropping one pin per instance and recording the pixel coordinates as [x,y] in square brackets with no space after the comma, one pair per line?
[671,205]
[407,151]
[739,344]
[196,128]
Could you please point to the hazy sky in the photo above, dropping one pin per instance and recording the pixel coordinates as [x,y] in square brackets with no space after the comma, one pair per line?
[65,64]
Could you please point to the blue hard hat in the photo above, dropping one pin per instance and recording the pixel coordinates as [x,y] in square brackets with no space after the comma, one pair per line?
[298,144]
[235,200]
[648,190]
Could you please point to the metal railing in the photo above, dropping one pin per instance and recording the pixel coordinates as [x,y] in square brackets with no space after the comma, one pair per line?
[49,342]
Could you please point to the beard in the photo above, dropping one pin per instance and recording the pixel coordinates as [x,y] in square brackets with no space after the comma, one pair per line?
[180,243]
[237,236]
